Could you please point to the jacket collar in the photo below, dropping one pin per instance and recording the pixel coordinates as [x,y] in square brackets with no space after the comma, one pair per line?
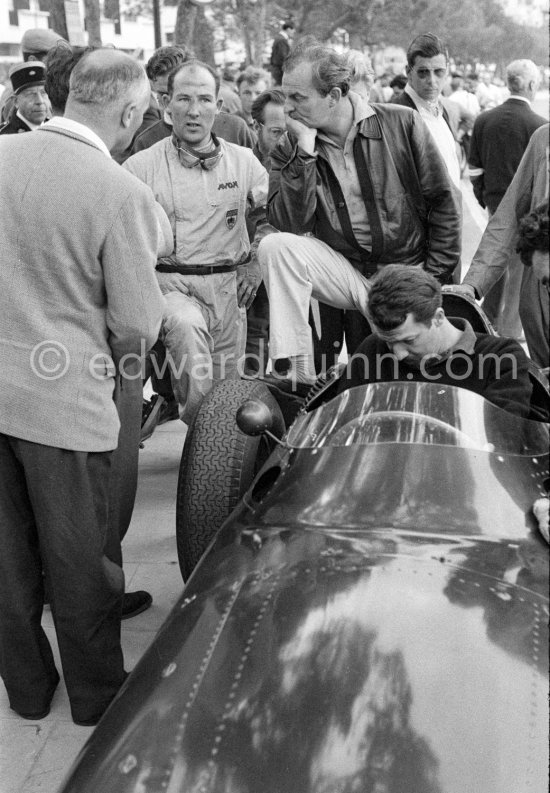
[365,117]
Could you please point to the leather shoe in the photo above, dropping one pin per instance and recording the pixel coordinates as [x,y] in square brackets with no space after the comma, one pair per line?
[285,385]
[134,603]
[91,721]
[36,715]
[33,716]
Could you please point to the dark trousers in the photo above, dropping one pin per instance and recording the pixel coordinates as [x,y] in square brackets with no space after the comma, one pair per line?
[534,310]
[53,519]
[336,325]
[128,399]
[257,333]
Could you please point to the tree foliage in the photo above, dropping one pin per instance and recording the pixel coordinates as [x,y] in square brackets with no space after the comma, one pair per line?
[474,30]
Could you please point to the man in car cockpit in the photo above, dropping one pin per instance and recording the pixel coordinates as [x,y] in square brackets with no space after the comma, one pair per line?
[413,340]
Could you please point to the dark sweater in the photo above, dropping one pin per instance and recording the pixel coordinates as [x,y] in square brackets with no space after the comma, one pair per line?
[493,367]
[230,128]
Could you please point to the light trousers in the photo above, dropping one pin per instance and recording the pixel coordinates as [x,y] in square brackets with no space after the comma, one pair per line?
[204,333]
[295,269]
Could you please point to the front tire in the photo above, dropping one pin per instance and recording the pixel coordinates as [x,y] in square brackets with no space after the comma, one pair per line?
[218,464]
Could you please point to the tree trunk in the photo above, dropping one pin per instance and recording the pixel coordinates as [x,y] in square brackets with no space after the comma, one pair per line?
[58,21]
[204,39]
[184,31]
[258,37]
[193,31]
[252,17]
[93,26]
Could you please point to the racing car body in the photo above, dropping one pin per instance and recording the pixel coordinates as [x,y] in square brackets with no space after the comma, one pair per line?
[372,617]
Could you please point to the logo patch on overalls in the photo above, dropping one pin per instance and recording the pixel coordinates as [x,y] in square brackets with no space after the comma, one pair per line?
[231,218]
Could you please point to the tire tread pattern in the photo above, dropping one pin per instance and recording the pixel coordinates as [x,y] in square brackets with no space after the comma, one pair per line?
[217,466]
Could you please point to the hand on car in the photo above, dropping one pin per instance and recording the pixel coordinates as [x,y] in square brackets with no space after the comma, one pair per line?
[249,278]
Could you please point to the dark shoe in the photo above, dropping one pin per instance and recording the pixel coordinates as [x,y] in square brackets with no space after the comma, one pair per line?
[36,715]
[169,411]
[33,716]
[93,720]
[150,415]
[285,385]
[133,603]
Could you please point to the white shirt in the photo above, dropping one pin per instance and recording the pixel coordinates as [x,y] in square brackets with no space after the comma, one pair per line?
[432,115]
[342,162]
[466,100]
[62,122]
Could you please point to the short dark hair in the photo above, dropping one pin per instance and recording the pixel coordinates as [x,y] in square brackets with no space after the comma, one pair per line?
[329,69]
[399,81]
[288,26]
[401,289]
[251,75]
[164,59]
[427,45]
[274,95]
[193,62]
[60,62]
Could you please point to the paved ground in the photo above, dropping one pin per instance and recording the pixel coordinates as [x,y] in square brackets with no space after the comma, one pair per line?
[35,756]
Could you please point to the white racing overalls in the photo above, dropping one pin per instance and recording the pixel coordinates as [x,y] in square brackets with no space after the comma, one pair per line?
[203,328]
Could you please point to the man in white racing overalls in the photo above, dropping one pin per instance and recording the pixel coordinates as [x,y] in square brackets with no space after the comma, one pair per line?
[205,185]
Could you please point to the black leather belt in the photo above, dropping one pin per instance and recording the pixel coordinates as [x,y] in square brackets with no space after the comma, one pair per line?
[196,269]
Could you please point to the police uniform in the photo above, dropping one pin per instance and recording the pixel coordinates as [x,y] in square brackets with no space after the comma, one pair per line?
[23,75]
[15,125]
[203,329]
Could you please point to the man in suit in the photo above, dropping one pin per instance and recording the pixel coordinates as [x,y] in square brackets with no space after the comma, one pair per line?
[499,139]
[35,45]
[500,135]
[78,298]
[280,51]
[427,68]
[30,98]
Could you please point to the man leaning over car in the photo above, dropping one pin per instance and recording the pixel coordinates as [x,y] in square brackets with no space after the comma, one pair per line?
[414,341]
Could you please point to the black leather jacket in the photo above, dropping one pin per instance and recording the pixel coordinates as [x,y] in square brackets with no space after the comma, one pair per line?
[414,209]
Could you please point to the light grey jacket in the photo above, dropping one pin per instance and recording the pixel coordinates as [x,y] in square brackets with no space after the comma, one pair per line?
[79,239]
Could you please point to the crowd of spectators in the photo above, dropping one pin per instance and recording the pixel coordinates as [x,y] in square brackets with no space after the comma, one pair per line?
[227,220]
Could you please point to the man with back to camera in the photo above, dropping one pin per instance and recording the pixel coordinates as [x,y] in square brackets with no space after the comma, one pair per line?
[90,299]
[413,340]
[498,142]
[128,392]
[30,101]
[280,51]
[353,187]
[205,185]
